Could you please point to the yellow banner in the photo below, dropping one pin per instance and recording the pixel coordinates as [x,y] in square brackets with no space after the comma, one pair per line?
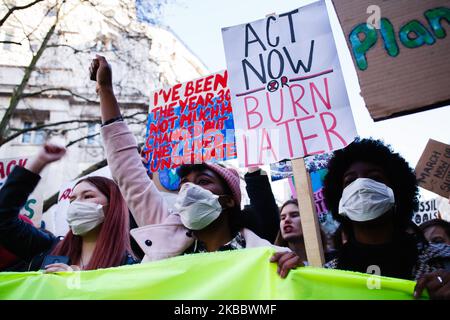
[231,275]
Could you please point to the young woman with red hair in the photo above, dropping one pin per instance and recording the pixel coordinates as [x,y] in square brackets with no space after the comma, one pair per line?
[97,216]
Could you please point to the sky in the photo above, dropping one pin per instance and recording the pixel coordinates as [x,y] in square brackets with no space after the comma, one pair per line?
[198,24]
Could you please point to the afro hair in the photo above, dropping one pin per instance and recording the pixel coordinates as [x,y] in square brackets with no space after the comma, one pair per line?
[397,170]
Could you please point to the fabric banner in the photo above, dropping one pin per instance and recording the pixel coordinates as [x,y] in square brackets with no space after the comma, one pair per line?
[240,274]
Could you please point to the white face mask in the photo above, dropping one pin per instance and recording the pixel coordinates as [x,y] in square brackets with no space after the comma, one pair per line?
[197,207]
[365,199]
[84,216]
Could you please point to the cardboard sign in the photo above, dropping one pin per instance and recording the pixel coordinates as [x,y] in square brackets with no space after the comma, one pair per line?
[287,89]
[427,210]
[400,50]
[33,207]
[443,205]
[433,168]
[190,123]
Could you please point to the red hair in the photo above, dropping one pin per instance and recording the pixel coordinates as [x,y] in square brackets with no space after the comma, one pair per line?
[113,242]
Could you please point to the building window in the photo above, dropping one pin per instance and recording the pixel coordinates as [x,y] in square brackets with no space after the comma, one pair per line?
[9,36]
[39,135]
[26,137]
[34,137]
[92,129]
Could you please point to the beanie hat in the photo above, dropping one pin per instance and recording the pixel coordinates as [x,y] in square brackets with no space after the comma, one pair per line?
[231,178]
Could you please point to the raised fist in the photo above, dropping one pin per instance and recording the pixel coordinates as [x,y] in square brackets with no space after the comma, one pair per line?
[50,153]
[100,71]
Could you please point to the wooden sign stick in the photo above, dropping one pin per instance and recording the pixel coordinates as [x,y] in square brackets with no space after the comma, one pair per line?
[308,215]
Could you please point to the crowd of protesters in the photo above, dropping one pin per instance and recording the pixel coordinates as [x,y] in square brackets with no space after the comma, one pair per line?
[370,190]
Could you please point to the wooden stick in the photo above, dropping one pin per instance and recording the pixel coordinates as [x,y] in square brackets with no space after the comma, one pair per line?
[308,215]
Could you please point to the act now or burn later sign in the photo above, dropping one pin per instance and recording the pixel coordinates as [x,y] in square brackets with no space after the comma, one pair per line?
[287,90]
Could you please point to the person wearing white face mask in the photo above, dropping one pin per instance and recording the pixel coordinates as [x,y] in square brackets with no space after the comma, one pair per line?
[197,207]
[372,192]
[97,217]
[160,234]
[84,217]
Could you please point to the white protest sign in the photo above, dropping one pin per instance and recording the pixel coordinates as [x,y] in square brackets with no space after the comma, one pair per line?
[427,210]
[33,207]
[287,90]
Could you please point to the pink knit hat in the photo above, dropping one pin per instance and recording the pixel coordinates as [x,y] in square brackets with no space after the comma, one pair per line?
[231,178]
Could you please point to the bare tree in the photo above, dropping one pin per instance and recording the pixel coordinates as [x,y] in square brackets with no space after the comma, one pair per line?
[15,8]
[48,47]
[18,92]
[57,13]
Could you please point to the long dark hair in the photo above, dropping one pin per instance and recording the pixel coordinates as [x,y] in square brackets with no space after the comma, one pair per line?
[281,242]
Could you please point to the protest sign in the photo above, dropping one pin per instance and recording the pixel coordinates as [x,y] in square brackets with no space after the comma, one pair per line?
[280,170]
[243,274]
[317,167]
[427,210]
[34,204]
[188,123]
[287,89]
[167,180]
[289,98]
[433,168]
[400,51]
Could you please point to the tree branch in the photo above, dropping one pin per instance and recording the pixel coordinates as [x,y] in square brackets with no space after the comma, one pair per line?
[11,10]
[75,50]
[54,124]
[11,42]
[15,98]
[81,139]
[31,94]
[96,134]
[22,131]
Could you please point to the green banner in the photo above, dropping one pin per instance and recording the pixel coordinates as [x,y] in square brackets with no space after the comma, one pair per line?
[239,274]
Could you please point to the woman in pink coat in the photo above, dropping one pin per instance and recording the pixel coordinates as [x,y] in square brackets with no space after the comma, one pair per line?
[208,204]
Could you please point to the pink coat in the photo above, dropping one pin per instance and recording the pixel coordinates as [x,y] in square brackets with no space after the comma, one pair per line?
[160,234]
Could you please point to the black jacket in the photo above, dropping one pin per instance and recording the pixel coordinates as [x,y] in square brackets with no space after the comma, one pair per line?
[262,214]
[20,238]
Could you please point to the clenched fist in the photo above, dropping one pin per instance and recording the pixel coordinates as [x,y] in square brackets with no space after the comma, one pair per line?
[100,71]
[48,154]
